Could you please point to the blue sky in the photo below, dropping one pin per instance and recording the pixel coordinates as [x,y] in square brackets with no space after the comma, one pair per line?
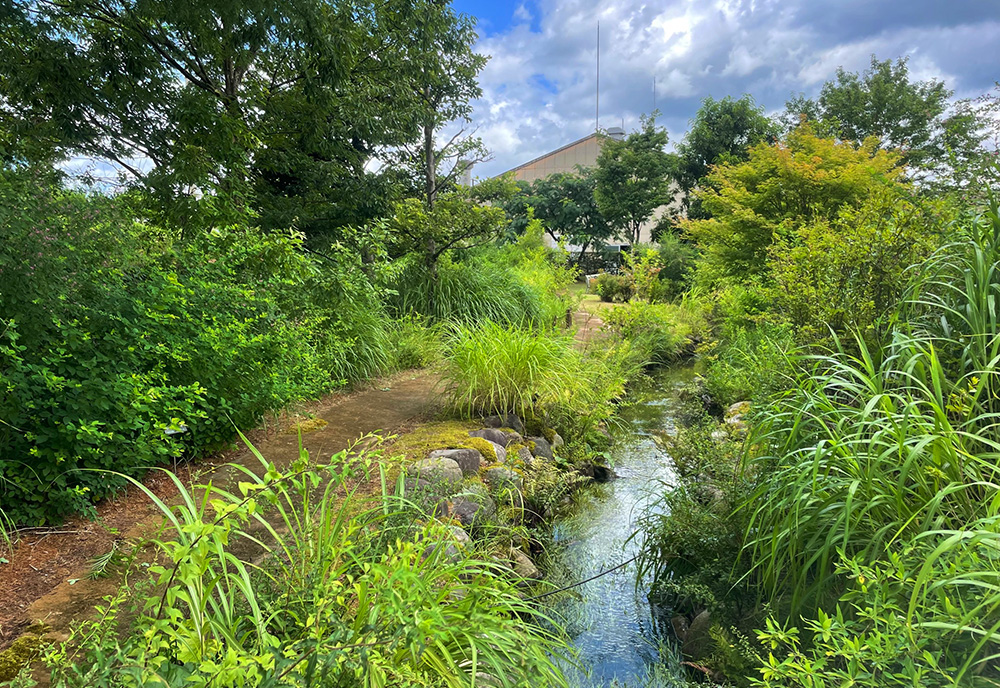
[539,85]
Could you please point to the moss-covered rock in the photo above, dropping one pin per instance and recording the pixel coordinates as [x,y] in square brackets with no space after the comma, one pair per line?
[21,653]
[484,447]
[418,444]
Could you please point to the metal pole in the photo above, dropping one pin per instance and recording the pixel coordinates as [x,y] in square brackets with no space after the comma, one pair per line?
[597,111]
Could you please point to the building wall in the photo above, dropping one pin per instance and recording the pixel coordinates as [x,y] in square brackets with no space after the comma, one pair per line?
[584,153]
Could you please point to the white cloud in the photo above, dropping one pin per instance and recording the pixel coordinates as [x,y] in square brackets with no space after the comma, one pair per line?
[538,90]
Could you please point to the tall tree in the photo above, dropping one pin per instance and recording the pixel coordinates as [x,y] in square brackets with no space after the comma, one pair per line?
[722,131]
[633,178]
[565,204]
[230,105]
[442,77]
[914,117]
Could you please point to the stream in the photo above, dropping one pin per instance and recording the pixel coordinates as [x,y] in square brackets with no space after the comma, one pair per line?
[611,623]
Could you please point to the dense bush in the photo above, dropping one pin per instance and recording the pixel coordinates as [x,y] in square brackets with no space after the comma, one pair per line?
[539,375]
[660,333]
[614,288]
[116,335]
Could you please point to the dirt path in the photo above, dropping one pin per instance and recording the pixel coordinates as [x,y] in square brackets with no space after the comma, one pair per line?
[46,577]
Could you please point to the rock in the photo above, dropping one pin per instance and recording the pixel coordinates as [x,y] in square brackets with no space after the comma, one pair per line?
[740,408]
[507,420]
[500,477]
[412,485]
[471,512]
[698,642]
[719,435]
[438,470]
[557,440]
[603,474]
[525,455]
[501,437]
[501,452]
[679,624]
[461,537]
[541,448]
[469,460]
[523,566]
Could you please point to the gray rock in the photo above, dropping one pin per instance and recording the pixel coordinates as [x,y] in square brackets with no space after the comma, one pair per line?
[679,624]
[542,448]
[507,420]
[499,477]
[523,566]
[469,460]
[719,435]
[525,455]
[436,471]
[472,510]
[501,437]
[461,537]
[412,485]
[698,642]
[557,440]
[501,452]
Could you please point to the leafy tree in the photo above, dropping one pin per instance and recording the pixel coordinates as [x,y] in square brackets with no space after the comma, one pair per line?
[565,204]
[632,178]
[442,80]
[915,117]
[781,187]
[721,131]
[460,219]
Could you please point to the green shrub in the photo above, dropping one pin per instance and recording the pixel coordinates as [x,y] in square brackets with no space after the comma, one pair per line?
[539,375]
[115,335]
[753,364]
[661,333]
[614,288]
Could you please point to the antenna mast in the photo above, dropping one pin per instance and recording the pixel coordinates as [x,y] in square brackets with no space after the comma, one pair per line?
[654,93]
[597,110]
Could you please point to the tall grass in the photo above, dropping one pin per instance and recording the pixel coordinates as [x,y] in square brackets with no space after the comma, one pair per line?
[287,581]
[888,459]
[538,374]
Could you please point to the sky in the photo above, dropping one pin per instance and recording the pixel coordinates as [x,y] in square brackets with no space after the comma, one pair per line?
[539,86]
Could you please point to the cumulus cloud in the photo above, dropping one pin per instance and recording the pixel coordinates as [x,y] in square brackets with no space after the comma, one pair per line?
[539,87]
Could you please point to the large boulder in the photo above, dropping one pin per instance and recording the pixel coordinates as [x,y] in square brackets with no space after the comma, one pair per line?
[698,641]
[436,471]
[507,420]
[524,454]
[541,448]
[500,477]
[469,460]
[501,437]
[557,440]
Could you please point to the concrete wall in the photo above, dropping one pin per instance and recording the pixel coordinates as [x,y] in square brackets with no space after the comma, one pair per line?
[583,152]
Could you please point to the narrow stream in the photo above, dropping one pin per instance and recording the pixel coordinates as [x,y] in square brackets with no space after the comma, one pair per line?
[610,621]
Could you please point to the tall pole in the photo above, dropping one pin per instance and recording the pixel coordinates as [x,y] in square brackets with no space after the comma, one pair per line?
[597,111]
[654,93]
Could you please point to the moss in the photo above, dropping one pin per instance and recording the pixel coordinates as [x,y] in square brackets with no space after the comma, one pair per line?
[304,426]
[513,449]
[484,447]
[21,652]
[549,434]
[531,446]
[416,445]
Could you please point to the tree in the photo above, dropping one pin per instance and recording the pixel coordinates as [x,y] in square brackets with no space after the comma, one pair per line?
[565,204]
[914,117]
[240,108]
[632,178]
[442,78]
[721,131]
[781,187]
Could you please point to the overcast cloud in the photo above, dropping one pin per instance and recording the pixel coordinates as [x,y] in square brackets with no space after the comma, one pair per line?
[539,85]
